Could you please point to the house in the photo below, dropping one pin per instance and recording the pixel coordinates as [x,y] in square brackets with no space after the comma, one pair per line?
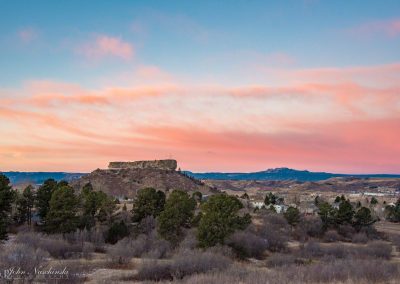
[257,204]
[279,208]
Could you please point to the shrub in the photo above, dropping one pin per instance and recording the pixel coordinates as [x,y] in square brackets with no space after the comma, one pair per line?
[346,231]
[331,236]
[87,249]
[117,231]
[338,271]
[338,251]
[94,236]
[198,262]
[311,249]
[143,246]
[189,241]
[277,260]
[276,240]
[29,238]
[22,256]
[378,249]
[120,252]
[147,225]
[159,249]
[275,230]
[59,248]
[154,271]
[222,250]
[56,245]
[359,271]
[360,238]
[247,244]
[396,241]
[371,232]
[182,265]
[312,225]
[275,220]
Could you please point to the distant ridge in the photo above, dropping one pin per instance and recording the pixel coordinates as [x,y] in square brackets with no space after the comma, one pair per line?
[270,174]
[282,174]
[39,177]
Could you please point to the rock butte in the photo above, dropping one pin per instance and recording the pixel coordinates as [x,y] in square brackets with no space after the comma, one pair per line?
[154,164]
[126,178]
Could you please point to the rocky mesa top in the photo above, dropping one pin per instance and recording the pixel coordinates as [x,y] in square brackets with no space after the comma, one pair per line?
[153,164]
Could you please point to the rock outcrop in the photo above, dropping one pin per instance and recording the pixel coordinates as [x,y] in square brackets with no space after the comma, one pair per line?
[156,164]
[125,179]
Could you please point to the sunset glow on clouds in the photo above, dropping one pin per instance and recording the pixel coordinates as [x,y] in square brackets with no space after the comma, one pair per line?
[103,46]
[164,93]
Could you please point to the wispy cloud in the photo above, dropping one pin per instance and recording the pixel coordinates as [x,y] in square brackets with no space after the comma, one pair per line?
[102,46]
[331,118]
[27,35]
[385,28]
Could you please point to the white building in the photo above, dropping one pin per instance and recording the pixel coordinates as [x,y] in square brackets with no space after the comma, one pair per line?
[257,204]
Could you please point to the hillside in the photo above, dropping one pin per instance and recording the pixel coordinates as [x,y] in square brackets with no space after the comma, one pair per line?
[127,181]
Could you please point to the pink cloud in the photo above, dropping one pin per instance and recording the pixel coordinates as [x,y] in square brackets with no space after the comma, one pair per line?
[336,119]
[387,28]
[106,46]
[27,35]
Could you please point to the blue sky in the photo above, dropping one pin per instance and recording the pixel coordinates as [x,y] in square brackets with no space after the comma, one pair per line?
[203,34]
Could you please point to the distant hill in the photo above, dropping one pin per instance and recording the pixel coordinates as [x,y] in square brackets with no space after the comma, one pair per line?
[281,174]
[17,178]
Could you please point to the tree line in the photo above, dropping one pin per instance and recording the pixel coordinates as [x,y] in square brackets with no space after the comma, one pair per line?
[59,209]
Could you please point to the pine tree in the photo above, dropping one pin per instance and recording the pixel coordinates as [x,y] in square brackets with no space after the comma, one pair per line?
[43,196]
[7,196]
[220,218]
[24,206]
[148,202]
[178,213]
[62,214]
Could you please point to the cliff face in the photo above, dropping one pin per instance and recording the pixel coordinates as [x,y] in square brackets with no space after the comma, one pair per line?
[127,181]
[156,164]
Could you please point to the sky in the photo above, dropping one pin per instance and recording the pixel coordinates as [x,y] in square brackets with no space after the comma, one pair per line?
[217,85]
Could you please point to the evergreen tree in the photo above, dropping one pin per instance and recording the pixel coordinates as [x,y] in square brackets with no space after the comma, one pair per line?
[178,213]
[345,213]
[148,202]
[95,204]
[270,198]
[327,214]
[116,232]
[220,218]
[43,196]
[24,206]
[62,214]
[7,196]
[363,218]
[374,201]
[292,215]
